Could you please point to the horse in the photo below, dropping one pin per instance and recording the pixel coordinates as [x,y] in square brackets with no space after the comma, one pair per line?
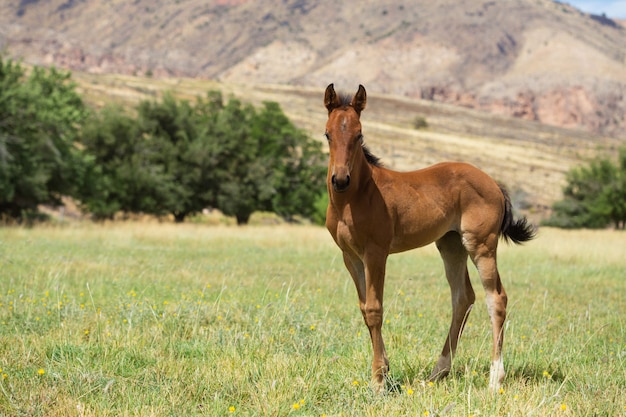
[374,212]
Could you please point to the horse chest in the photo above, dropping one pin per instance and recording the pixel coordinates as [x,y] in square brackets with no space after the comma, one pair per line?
[354,229]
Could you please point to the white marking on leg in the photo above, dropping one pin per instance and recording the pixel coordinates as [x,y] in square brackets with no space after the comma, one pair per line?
[496,374]
[490,302]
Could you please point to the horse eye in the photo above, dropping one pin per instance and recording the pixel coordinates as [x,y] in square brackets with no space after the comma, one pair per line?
[360,137]
[327,136]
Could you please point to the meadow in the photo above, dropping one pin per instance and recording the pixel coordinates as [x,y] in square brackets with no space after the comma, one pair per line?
[157,319]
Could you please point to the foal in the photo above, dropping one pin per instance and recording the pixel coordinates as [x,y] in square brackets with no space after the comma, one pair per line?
[373,212]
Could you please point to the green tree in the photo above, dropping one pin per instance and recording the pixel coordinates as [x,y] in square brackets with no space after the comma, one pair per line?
[611,203]
[299,170]
[240,178]
[594,197]
[107,137]
[266,163]
[126,172]
[170,126]
[40,119]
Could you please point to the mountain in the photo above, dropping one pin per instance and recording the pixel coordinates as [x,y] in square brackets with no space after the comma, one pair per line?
[533,59]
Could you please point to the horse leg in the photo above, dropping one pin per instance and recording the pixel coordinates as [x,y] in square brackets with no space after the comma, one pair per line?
[496,306]
[355,266]
[369,280]
[454,258]
[373,313]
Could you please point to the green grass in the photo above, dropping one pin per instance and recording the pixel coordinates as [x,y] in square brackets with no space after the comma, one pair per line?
[149,319]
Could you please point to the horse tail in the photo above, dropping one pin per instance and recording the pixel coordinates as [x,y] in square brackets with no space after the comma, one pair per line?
[516,231]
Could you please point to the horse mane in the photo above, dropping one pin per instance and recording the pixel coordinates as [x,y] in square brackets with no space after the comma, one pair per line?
[345,100]
[371,158]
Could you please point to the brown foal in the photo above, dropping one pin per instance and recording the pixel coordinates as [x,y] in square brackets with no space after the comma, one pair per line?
[374,212]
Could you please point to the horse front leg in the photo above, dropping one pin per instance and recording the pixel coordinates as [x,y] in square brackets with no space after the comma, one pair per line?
[369,280]
[373,315]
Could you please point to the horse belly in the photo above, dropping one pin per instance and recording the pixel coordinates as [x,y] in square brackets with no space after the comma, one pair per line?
[408,242]
[416,234]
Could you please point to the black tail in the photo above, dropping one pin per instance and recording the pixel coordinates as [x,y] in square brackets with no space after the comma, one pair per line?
[517,231]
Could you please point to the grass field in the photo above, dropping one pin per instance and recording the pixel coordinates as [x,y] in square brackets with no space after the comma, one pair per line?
[147,319]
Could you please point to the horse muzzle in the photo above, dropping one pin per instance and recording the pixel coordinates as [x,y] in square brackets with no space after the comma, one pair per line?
[340,184]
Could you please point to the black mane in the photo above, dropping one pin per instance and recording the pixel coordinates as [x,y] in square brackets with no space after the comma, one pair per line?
[345,100]
[371,158]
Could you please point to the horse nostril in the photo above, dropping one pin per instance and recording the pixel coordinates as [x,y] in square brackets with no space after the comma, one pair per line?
[340,185]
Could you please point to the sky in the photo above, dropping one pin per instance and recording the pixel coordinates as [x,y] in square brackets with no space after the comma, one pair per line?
[612,8]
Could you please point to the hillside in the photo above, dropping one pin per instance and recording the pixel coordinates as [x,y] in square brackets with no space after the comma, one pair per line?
[533,59]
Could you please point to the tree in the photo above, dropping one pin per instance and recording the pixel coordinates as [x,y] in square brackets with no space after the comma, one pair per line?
[266,163]
[40,119]
[594,197]
[611,203]
[178,131]
[241,179]
[299,170]
[126,172]
[107,137]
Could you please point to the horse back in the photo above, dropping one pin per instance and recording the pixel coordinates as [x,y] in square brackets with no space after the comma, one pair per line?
[426,204]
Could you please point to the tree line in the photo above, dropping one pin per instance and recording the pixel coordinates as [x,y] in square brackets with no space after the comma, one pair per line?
[177,157]
[166,157]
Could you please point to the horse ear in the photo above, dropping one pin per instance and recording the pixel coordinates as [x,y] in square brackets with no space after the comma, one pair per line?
[359,100]
[331,99]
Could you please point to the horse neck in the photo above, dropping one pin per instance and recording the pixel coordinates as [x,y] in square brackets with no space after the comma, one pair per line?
[362,170]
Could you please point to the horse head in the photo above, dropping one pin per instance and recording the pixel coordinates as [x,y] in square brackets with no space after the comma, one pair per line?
[343,132]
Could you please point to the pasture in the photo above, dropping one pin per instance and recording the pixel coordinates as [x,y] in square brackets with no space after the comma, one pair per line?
[149,319]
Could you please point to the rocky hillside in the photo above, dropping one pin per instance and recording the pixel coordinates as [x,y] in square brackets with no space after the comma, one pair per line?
[534,59]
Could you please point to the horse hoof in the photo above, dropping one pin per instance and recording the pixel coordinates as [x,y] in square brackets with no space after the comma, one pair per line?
[378,387]
[440,372]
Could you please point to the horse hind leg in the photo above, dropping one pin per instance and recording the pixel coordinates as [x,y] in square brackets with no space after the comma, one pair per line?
[454,257]
[496,300]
